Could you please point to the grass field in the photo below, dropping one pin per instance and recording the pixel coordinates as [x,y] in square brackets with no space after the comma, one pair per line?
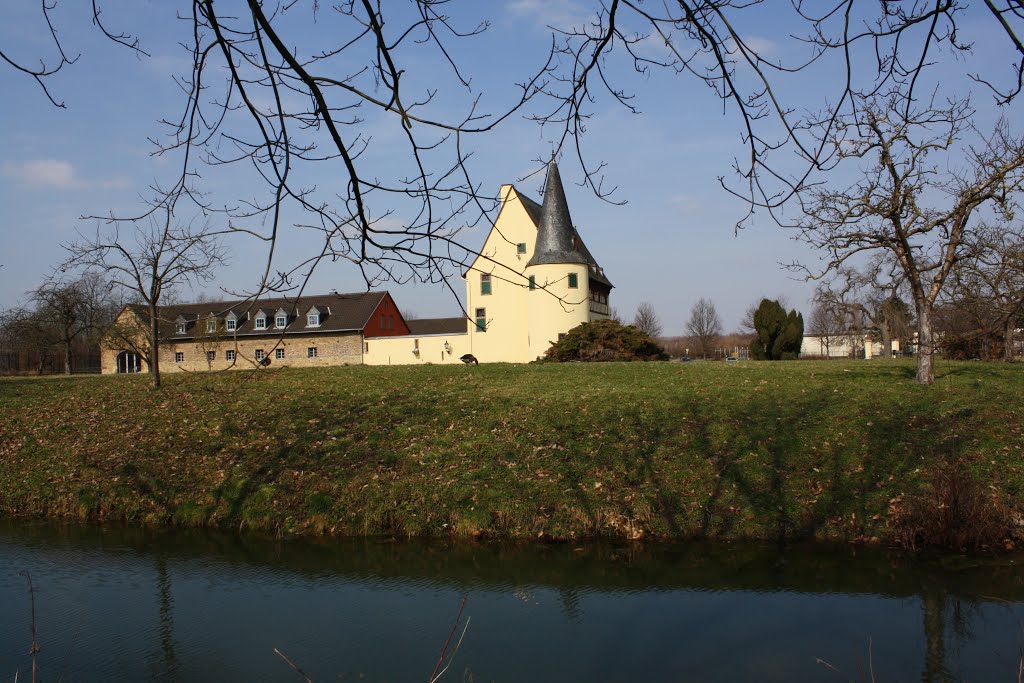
[844,450]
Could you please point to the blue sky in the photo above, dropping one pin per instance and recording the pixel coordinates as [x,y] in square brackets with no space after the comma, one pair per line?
[672,242]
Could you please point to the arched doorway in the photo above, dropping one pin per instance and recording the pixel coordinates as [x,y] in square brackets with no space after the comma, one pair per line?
[128,362]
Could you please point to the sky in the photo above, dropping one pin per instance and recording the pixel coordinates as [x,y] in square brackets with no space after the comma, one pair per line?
[669,238]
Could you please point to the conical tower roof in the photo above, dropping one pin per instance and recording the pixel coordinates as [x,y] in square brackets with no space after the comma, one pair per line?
[556,241]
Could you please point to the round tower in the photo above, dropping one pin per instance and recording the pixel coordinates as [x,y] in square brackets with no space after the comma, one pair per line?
[558,272]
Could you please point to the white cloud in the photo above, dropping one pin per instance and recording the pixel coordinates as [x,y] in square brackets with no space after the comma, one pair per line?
[562,14]
[686,202]
[57,174]
[764,47]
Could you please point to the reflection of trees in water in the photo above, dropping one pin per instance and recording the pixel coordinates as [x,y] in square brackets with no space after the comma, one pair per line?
[933,603]
[571,604]
[165,606]
[945,614]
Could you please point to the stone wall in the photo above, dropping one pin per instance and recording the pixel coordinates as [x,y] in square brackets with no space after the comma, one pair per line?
[331,349]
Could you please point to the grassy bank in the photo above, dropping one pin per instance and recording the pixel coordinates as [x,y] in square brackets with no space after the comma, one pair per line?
[835,450]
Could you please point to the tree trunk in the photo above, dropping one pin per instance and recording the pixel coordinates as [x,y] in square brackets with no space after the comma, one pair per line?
[1008,338]
[154,347]
[886,340]
[925,344]
[67,358]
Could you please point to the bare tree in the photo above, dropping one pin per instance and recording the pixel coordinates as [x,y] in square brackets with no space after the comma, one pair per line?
[210,337]
[872,45]
[646,320]
[885,210]
[261,94]
[68,314]
[871,298]
[989,281]
[828,324]
[159,251]
[746,325]
[705,325]
[28,330]
[74,309]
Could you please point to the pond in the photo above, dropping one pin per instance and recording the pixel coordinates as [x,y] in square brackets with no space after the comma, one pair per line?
[116,603]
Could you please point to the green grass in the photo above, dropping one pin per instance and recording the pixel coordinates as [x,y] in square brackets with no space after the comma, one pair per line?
[828,450]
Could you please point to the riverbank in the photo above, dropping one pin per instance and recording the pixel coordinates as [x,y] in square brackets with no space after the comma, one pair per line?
[849,451]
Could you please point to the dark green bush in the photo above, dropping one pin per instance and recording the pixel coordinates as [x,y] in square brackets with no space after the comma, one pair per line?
[779,334]
[605,341]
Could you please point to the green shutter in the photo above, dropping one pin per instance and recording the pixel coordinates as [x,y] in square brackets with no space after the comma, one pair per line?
[573,281]
[533,282]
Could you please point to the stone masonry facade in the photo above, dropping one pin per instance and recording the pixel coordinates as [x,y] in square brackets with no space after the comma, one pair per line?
[329,349]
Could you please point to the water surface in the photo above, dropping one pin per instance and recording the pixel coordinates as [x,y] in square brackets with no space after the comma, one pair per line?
[130,604]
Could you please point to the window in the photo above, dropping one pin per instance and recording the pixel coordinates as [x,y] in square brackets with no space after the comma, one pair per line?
[211,326]
[311,352]
[260,323]
[481,319]
[230,324]
[279,354]
[574,281]
[533,282]
[521,248]
[179,357]
[485,283]
[259,354]
[180,328]
[229,355]
[211,356]
[313,320]
[281,321]
[366,347]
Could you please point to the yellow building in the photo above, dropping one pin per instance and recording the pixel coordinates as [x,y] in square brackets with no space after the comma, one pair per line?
[533,280]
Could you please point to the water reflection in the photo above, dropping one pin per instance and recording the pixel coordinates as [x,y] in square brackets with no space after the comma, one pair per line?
[132,604]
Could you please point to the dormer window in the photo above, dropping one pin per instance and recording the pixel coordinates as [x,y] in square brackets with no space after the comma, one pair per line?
[313,318]
[179,328]
[231,322]
[280,319]
[211,325]
[260,321]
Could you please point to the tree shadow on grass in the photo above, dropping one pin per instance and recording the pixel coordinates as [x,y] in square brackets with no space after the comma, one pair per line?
[777,471]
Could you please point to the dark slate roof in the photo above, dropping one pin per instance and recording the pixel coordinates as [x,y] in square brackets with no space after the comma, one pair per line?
[557,218]
[427,326]
[555,234]
[338,313]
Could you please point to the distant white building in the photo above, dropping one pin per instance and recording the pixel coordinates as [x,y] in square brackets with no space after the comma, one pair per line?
[846,345]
